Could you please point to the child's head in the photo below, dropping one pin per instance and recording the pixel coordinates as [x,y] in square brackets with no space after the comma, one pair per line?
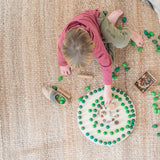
[78,48]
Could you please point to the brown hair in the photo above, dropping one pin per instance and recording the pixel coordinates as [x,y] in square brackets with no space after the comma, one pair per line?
[78,48]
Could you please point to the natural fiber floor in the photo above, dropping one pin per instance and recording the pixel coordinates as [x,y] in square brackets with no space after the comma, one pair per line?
[32,128]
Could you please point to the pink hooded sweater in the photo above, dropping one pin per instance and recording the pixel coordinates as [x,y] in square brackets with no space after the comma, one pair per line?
[88,20]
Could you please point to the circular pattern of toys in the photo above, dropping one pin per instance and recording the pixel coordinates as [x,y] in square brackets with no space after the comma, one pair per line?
[106,125]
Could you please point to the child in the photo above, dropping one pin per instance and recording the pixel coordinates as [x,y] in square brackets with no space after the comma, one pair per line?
[93,34]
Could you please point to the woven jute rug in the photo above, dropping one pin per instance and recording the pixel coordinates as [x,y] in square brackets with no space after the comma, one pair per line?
[33,128]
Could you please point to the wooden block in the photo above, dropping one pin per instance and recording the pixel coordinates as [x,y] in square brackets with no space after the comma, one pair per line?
[85,76]
[64,93]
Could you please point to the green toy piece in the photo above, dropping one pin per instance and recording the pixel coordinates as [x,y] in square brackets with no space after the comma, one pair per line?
[124,64]
[159,37]
[158,134]
[146,32]
[158,50]
[114,77]
[155,110]
[124,19]
[87,88]
[133,43]
[54,87]
[151,33]
[127,69]
[154,41]
[61,102]
[154,105]
[117,69]
[154,126]
[155,98]
[153,93]
[148,36]
[80,98]
[62,98]
[60,78]
[158,110]
[120,28]
[158,47]
[140,49]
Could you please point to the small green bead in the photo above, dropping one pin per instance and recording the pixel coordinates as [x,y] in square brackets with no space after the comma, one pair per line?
[80,106]
[100,98]
[98,131]
[121,92]
[124,19]
[101,125]
[62,98]
[113,88]
[133,120]
[117,130]
[129,116]
[153,93]
[93,105]
[127,126]
[96,101]
[123,135]
[122,104]
[91,137]
[61,102]
[100,141]
[95,91]
[148,36]
[90,93]
[125,95]
[79,112]
[98,105]
[155,110]
[94,115]
[127,69]
[131,127]
[132,124]
[87,134]
[127,98]
[105,133]
[127,111]
[151,33]
[159,93]
[102,103]
[118,139]
[120,28]
[116,96]
[87,88]
[80,98]
[80,122]
[95,140]
[158,134]
[155,98]
[91,119]
[133,43]
[105,143]
[95,110]
[133,115]
[128,121]
[158,110]
[89,110]
[109,142]
[132,110]
[57,96]
[128,132]
[54,87]
[124,64]
[79,117]
[83,101]
[99,89]
[82,128]
[158,46]
[94,126]
[111,133]
[117,69]
[114,142]
[95,122]
[115,77]
[125,107]
[119,99]
[60,78]
[122,129]
[107,126]
[112,95]
[131,106]
[140,49]
[117,90]
[154,41]
[85,96]
[145,32]
[159,37]
[158,50]
[113,74]
[129,102]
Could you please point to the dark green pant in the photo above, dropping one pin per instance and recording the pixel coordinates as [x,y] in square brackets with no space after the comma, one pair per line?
[112,36]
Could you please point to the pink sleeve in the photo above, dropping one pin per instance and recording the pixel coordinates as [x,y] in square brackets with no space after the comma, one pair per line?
[61,60]
[105,62]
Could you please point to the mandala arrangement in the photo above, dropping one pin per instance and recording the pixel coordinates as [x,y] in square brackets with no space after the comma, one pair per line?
[106,125]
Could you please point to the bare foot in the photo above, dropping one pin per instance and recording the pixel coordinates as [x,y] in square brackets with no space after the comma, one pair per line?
[137,38]
[114,16]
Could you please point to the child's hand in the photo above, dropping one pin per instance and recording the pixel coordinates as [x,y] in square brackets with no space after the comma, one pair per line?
[66,70]
[107,94]
[137,38]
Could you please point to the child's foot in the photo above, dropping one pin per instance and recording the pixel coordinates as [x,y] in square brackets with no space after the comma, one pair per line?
[137,38]
[114,16]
